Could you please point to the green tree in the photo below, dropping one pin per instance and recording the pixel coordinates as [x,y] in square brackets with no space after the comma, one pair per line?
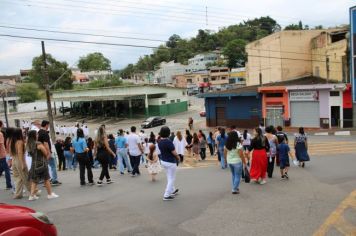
[94,61]
[28,92]
[172,41]
[298,26]
[55,70]
[235,53]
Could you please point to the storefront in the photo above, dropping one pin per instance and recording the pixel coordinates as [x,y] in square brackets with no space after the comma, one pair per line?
[275,105]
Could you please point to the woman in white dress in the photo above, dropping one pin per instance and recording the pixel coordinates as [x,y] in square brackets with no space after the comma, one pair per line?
[153,164]
[180,144]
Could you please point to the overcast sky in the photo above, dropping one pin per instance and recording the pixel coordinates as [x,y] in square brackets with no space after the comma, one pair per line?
[148,20]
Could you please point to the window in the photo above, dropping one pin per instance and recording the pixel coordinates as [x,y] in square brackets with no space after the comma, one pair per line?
[172,101]
[163,102]
[223,78]
[316,71]
[178,100]
[213,78]
[189,81]
[274,95]
[183,93]
[334,93]
[205,80]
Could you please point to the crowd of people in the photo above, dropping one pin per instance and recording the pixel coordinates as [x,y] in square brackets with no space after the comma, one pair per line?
[31,154]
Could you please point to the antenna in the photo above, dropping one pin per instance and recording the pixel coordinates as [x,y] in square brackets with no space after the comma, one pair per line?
[206,15]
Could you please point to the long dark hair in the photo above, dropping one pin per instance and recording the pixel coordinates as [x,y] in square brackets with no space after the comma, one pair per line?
[16,136]
[67,140]
[231,141]
[90,143]
[31,142]
[80,133]
[195,138]
[301,130]
[152,148]
[259,136]
[8,135]
[211,135]
[187,133]
[245,134]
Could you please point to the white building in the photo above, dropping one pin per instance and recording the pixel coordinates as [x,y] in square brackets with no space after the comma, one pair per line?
[199,61]
[166,72]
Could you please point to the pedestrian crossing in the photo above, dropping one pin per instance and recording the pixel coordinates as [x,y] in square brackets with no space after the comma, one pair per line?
[317,149]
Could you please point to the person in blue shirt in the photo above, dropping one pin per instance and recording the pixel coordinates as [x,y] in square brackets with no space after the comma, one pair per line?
[284,153]
[169,161]
[221,140]
[121,152]
[81,153]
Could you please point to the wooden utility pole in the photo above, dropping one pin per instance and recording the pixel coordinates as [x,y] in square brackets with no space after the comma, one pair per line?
[5,108]
[48,96]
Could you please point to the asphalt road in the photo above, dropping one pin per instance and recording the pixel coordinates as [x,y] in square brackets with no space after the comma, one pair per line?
[205,206]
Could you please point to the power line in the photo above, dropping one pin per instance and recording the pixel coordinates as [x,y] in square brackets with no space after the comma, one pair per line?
[189,19]
[83,34]
[79,41]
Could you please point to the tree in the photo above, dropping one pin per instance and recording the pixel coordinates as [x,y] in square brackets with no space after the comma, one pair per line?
[235,53]
[172,41]
[55,70]
[319,27]
[28,92]
[298,26]
[94,61]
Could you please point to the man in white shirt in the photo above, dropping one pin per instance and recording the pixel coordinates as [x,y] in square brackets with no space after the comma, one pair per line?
[135,150]
[233,128]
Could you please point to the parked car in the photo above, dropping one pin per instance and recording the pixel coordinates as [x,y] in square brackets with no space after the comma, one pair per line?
[64,109]
[23,221]
[153,121]
[202,114]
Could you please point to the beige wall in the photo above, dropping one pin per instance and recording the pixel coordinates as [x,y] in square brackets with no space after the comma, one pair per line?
[181,81]
[322,48]
[281,56]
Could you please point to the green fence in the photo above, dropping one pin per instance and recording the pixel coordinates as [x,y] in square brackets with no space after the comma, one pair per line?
[167,109]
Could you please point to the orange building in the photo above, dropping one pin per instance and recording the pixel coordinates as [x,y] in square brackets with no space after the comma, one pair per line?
[275,105]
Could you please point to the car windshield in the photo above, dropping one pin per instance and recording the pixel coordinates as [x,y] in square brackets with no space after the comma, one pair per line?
[150,119]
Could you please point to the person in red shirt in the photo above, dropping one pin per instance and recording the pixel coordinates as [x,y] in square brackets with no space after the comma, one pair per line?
[3,163]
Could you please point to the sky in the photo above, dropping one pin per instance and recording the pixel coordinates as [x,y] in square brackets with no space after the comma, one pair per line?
[137,22]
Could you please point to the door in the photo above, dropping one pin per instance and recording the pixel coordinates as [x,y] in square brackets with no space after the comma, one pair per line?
[220,116]
[305,114]
[335,116]
[274,116]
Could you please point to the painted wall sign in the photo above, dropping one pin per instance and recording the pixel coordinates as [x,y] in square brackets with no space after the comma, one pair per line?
[303,96]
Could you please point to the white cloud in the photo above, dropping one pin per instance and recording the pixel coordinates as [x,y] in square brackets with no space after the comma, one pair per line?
[161,19]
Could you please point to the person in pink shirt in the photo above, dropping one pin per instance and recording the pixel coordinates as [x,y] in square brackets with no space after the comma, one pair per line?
[3,163]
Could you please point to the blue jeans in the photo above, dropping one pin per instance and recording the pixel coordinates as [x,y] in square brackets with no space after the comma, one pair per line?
[222,159]
[122,155]
[236,170]
[53,165]
[4,167]
[69,159]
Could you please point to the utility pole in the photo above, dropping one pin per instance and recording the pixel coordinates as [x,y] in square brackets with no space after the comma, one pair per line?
[5,109]
[48,96]
[327,69]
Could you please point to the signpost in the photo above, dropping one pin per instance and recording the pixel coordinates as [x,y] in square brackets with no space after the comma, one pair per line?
[353,51]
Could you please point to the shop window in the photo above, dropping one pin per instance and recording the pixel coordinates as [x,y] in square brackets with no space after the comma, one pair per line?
[334,93]
[274,95]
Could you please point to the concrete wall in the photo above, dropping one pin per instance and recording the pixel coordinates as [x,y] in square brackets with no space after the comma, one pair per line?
[322,47]
[281,56]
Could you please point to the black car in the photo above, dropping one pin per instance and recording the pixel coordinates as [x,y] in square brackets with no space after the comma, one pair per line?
[153,121]
[64,109]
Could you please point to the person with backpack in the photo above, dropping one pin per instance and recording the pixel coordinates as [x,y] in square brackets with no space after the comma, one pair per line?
[271,155]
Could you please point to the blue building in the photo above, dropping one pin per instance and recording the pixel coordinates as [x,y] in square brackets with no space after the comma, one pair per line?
[241,107]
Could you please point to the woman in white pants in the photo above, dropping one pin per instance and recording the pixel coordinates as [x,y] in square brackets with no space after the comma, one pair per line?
[169,161]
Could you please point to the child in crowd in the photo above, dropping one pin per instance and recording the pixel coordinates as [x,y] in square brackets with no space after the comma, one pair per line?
[146,147]
[154,166]
[284,154]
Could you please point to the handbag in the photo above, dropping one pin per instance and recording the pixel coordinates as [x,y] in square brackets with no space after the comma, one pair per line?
[247,175]
[40,166]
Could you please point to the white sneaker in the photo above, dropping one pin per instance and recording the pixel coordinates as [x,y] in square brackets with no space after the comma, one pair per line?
[33,198]
[263,182]
[38,193]
[52,196]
